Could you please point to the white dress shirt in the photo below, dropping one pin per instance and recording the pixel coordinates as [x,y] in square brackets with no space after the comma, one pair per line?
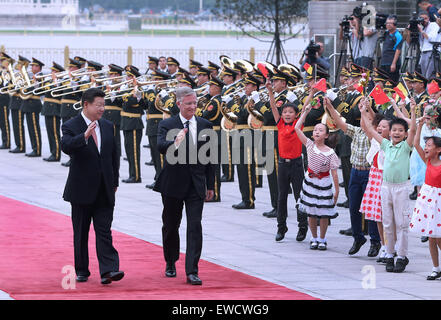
[97,130]
[192,126]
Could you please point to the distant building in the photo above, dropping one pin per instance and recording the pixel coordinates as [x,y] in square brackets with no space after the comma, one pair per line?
[39,13]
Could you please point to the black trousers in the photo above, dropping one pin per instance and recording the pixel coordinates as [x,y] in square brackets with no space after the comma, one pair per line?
[228,168]
[171,220]
[117,133]
[33,124]
[53,135]
[246,172]
[132,144]
[4,126]
[101,212]
[157,157]
[272,174]
[18,128]
[290,173]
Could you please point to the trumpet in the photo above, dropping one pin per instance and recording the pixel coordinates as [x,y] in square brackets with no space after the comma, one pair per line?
[171,83]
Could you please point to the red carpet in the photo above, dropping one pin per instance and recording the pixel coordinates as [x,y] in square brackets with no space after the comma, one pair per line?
[36,243]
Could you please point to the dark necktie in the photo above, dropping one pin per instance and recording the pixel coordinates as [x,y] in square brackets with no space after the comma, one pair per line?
[187,140]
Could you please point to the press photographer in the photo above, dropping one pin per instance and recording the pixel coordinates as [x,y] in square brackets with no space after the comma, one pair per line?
[393,42]
[425,32]
[350,31]
[314,55]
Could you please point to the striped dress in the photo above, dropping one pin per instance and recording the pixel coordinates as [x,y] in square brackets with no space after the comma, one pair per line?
[316,198]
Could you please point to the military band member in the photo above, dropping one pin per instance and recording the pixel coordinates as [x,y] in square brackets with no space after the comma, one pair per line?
[5,128]
[16,113]
[70,98]
[51,112]
[113,106]
[173,66]
[203,78]
[81,60]
[153,65]
[162,66]
[193,68]
[131,124]
[246,169]
[419,84]
[212,113]
[214,68]
[187,80]
[154,116]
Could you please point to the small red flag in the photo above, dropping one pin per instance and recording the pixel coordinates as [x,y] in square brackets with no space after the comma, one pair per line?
[379,96]
[308,68]
[262,68]
[321,85]
[359,88]
[433,87]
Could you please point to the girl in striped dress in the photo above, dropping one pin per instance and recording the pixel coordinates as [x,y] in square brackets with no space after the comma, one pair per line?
[316,198]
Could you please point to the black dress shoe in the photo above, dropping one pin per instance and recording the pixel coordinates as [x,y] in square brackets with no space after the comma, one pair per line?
[390,264]
[17,150]
[243,205]
[271,214]
[146,146]
[374,250]
[401,264]
[424,239]
[66,164]
[346,232]
[281,233]
[194,279]
[343,204]
[301,234]
[125,158]
[341,184]
[150,186]
[150,163]
[33,154]
[81,278]
[225,179]
[52,158]
[170,270]
[414,194]
[112,276]
[356,246]
[131,180]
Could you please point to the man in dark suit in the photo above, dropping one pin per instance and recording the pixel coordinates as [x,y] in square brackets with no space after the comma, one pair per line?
[186,181]
[91,185]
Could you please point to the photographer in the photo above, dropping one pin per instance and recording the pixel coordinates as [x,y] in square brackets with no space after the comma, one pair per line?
[428,32]
[393,42]
[432,11]
[351,32]
[368,45]
[314,55]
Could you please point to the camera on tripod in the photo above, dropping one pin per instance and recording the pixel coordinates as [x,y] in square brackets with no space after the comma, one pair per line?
[380,21]
[358,12]
[346,25]
[311,50]
[413,27]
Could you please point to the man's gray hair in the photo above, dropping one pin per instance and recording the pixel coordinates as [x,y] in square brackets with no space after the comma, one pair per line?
[183,92]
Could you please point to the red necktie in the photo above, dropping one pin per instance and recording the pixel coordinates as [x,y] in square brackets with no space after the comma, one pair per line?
[95,138]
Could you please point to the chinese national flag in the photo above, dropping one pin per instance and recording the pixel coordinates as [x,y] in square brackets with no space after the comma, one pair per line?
[321,85]
[262,68]
[359,88]
[433,87]
[401,91]
[379,96]
[308,68]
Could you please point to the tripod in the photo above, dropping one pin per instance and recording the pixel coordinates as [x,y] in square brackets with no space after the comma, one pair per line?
[379,48]
[413,54]
[343,59]
[435,58]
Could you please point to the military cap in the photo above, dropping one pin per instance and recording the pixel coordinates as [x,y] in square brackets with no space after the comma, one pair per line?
[80,59]
[239,68]
[203,70]
[408,76]
[115,69]
[380,75]
[279,75]
[56,67]
[171,60]
[186,78]
[4,56]
[356,70]
[74,63]
[23,59]
[258,75]
[159,75]
[389,86]
[132,71]
[94,65]
[418,77]
[181,71]
[217,82]
[36,62]
[344,72]
[195,64]
[437,79]
[229,72]
[153,60]
[212,66]
[249,78]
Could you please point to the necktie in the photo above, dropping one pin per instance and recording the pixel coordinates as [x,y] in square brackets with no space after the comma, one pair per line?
[95,139]
[187,140]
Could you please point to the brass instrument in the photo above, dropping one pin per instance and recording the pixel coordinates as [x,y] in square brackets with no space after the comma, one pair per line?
[225,62]
[203,101]
[171,85]
[229,119]
[255,119]
[244,64]
[164,108]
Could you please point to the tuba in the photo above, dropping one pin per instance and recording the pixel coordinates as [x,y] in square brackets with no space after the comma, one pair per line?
[229,119]
[255,118]
[165,107]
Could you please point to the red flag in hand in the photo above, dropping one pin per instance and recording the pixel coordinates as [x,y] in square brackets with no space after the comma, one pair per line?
[379,96]
[359,88]
[262,68]
[321,85]
[433,87]
[308,68]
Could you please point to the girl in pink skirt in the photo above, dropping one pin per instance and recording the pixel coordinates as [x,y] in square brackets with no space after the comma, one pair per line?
[371,202]
[426,218]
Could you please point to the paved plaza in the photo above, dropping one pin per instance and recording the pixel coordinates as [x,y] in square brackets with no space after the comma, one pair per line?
[242,240]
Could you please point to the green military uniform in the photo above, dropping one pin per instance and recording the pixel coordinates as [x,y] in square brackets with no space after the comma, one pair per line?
[4,108]
[212,113]
[131,125]
[113,108]
[51,112]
